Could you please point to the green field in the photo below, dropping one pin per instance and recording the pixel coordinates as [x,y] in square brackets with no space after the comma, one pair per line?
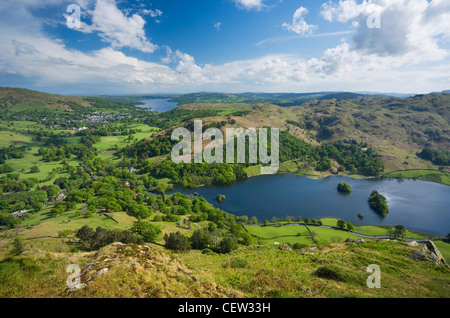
[371,229]
[108,143]
[297,234]
[8,138]
[39,225]
[444,247]
[324,236]
[425,175]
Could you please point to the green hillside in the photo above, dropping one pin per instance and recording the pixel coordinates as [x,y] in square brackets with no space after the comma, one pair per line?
[396,128]
[118,270]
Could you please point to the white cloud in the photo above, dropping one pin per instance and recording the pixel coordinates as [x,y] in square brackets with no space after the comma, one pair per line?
[298,24]
[250,4]
[153,13]
[169,58]
[408,27]
[118,29]
[217,25]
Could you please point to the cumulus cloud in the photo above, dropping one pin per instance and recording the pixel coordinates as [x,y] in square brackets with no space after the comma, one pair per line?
[407,27]
[250,4]
[115,27]
[298,24]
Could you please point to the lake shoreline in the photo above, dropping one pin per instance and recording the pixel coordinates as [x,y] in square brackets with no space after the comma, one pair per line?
[353,176]
[292,194]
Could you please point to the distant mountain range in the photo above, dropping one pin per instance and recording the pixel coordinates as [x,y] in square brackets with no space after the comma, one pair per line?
[443,92]
[280,99]
[24,97]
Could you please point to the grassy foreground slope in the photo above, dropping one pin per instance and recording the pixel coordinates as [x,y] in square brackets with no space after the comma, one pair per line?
[338,270]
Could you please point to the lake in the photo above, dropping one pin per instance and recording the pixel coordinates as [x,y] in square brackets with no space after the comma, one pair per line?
[418,205]
[158,105]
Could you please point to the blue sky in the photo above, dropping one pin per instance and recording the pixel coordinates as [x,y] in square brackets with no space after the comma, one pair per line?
[170,46]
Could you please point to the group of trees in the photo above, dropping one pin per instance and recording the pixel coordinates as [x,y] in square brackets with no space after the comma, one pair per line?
[378,202]
[12,152]
[397,231]
[354,157]
[5,169]
[29,200]
[437,156]
[203,239]
[79,151]
[309,221]
[194,174]
[107,130]
[100,237]
[8,220]
[345,225]
[350,155]
[344,187]
[145,149]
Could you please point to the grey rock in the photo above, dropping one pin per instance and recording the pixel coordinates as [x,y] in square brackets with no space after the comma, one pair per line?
[102,271]
[357,241]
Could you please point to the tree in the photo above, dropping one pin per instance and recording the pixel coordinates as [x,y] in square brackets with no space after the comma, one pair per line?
[102,237]
[344,187]
[350,226]
[399,231]
[92,208]
[360,215]
[246,238]
[58,209]
[212,227]
[341,224]
[220,198]
[242,219]
[227,245]
[378,202]
[34,169]
[201,239]
[307,221]
[149,232]
[177,242]
[18,246]
[85,234]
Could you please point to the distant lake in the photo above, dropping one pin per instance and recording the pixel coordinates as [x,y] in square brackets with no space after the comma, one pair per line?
[157,105]
[418,205]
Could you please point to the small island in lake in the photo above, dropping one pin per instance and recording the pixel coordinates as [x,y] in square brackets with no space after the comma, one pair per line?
[344,187]
[220,198]
[378,202]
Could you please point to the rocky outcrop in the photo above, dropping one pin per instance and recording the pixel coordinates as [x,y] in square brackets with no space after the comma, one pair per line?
[429,253]
[143,271]
[357,241]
